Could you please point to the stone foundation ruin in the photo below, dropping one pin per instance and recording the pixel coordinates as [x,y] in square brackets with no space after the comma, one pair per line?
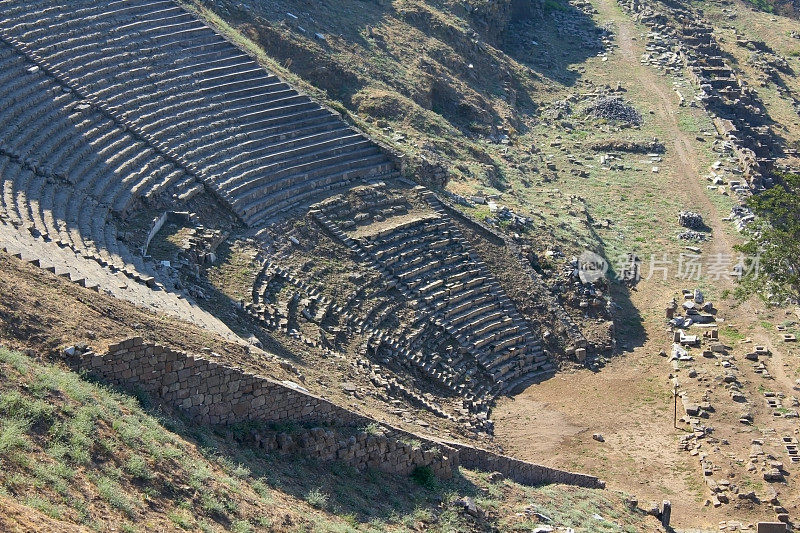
[96,157]
[210,393]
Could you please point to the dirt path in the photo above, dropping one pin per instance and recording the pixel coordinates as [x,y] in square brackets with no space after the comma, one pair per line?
[630,400]
[688,170]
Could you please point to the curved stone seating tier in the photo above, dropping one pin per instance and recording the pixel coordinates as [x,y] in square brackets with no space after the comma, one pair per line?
[49,209]
[259,144]
[49,127]
[453,291]
[65,262]
[419,339]
[66,167]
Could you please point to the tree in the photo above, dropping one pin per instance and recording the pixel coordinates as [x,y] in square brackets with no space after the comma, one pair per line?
[774,239]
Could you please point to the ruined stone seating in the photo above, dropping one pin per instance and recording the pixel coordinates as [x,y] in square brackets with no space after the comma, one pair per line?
[479,319]
[67,168]
[154,67]
[455,296]
[66,263]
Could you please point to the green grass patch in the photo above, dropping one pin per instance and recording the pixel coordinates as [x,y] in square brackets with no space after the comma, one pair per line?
[762,5]
[317,498]
[47,507]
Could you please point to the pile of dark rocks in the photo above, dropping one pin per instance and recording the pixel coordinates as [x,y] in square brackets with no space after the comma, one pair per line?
[614,109]
[690,219]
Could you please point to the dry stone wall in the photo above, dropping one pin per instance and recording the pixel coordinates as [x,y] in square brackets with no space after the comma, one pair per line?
[211,393]
[383,451]
[521,471]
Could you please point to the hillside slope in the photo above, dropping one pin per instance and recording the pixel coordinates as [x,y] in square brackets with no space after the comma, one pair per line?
[436,81]
[77,454]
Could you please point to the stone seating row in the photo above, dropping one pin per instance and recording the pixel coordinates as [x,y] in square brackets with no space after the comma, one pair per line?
[431,261]
[263,147]
[69,170]
[18,240]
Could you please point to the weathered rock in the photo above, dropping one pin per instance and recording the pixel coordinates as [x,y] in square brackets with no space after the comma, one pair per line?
[691,220]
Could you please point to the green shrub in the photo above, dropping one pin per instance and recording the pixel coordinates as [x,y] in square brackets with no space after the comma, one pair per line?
[423,476]
[262,489]
[240,471]
[211,505]
[137,467]
[45,506]
[84,516]
[112,493]
[180,519]
[241,526]
[198,475]
[263,521]
[17,482]
[15,405]
[20,362]
[13,435]
[762,5]
[373,429]
[317,498]
[53,475]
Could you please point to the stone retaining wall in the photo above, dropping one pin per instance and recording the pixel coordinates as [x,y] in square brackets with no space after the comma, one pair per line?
[521,471]
[384,450]
[211,393]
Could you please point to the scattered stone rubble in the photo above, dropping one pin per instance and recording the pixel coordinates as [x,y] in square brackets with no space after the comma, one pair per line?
[725,375]
[742,216]
[690,219]
[614,109]
[691,235]
[679,33]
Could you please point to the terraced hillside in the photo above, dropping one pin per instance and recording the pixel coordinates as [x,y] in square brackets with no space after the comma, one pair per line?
[259,144]
[121,118]
[359,231]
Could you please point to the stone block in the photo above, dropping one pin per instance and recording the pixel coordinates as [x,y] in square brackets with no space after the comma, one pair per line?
[771,527]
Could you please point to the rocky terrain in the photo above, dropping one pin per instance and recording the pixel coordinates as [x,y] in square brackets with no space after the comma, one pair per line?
[478,257]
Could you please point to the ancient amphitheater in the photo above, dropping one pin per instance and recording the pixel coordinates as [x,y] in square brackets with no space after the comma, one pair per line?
[118,117]
[240,253]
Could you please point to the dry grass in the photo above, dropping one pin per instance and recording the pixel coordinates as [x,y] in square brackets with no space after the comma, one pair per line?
[83,454]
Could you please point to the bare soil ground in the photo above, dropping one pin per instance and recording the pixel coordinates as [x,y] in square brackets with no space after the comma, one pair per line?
[46,313]
[630,401]
[78,454]
[16,518]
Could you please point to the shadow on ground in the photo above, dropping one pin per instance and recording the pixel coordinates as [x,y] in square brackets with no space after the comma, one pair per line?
[355,496]
[629,330]
[444,58]
[552,43]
